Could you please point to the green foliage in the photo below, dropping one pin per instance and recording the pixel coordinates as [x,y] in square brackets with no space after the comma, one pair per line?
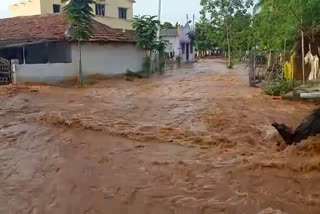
[167,25]
[146,28]
[160,47]
[274,24]
[146,65]
[229,22]
[206,36]
[79,14]
[278,87]
[241,34]
[178,60]
[277,22]
[192,37]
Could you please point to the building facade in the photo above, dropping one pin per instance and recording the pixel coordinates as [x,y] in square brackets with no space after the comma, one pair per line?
[114,13]
[179,43]
[41,51]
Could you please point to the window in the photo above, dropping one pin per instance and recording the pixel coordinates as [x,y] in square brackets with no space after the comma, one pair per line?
[100,9]
[56,8]
[183,47]
[122,13]
[52,52]
[36,53]
[59,52]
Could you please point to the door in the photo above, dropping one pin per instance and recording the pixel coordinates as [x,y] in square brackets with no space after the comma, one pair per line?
[5,72]
[187,51]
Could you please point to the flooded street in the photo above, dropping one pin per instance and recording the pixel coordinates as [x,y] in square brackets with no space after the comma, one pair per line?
[194,140]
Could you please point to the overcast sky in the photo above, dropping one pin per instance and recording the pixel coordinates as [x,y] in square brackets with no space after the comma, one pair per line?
[172,10]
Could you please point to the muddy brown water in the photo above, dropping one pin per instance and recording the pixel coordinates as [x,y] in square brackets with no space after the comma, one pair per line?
[194,140]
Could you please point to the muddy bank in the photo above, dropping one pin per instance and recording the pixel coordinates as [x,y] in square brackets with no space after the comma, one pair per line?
[194,140]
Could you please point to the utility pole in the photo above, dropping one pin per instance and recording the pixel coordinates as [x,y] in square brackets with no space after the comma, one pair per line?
[159,19]
[193,17]
[157,58]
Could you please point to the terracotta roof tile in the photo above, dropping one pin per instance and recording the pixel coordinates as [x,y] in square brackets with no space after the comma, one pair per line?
[52,27]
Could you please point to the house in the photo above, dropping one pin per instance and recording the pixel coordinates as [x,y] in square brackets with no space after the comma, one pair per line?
[179,43]
[44,54]
[114,13]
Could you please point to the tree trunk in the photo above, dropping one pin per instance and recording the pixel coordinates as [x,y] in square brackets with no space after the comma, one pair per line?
[302,45]
[284,48]
[269,59]
[80,77]
[254,64]
[229,47]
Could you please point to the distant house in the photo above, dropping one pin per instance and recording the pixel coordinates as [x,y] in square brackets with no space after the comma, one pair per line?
[179,43]
[44,54]
[114,13]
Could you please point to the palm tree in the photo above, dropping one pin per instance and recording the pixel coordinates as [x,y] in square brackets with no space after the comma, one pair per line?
[79,15]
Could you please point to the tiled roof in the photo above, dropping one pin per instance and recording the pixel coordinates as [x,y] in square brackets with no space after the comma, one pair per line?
[51,27]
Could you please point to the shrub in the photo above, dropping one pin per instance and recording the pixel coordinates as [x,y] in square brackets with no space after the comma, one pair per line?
[279,86]
[132,74]
[146,65]
[178,60]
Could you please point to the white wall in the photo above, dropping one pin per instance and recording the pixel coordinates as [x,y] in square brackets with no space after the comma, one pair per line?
[191,55]
[175,44]
[184,38]
[107,59]
[46,73]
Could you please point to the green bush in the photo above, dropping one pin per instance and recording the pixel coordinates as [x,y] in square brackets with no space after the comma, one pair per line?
[146,65]
[132,74]
[178,60]
[278,87]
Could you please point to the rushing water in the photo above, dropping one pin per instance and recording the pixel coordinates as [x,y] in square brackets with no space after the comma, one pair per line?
[194,140]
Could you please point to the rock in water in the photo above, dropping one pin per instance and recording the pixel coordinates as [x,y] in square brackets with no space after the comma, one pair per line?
[310,126]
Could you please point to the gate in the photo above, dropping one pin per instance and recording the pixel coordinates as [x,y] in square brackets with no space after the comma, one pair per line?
[5,72]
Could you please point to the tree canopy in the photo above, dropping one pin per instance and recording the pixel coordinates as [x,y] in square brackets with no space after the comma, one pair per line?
[239,25]
[146,28]
[79,14]
[167,25]
[229,21]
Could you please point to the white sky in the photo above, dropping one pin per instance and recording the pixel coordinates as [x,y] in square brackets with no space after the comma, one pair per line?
[172,10]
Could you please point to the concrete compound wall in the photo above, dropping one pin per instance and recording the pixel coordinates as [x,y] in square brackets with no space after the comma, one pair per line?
[46,73]
[110,58]
[103,59]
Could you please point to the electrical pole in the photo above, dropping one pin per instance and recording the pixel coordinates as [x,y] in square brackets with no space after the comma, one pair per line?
[157,58]
[193,17]
[159,19]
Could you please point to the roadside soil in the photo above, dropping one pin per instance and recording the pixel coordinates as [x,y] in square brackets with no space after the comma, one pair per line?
[193,140]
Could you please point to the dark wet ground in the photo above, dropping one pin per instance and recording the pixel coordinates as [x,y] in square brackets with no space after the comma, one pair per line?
[194,140]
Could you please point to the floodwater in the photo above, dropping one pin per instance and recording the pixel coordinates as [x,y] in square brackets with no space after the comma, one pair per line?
[193,140]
